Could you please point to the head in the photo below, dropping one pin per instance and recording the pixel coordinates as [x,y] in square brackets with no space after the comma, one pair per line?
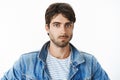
[60,19]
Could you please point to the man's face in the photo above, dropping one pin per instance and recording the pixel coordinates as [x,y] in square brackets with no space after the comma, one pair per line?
[60,30]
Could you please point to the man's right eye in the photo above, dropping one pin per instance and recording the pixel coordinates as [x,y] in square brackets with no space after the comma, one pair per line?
[56,25]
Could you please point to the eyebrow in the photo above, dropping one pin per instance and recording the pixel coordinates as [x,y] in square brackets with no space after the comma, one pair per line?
[60,23]
[56,23]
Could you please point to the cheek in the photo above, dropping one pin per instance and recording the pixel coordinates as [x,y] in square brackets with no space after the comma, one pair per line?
[70,32]
[52,33]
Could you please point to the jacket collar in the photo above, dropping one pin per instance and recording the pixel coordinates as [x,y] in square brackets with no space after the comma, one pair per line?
[44,51]
[76,56]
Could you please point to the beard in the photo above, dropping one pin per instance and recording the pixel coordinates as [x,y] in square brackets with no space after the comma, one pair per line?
[62,43]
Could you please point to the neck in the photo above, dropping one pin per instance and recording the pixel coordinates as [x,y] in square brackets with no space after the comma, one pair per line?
[59,52]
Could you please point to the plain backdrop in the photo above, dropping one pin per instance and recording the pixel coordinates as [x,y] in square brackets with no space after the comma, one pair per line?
[96,31]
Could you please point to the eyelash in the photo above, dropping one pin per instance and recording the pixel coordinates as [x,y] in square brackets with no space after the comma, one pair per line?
[58,25]
[68,25]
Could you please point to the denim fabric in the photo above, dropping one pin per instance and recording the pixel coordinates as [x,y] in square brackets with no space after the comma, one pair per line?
[32,66]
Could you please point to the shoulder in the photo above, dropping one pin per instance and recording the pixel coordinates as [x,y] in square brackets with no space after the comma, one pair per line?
[88,57]
[29,57]
[85,54]
[30,54]
[82,56]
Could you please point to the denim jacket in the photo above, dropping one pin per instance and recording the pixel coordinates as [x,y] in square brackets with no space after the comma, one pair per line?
[32,66]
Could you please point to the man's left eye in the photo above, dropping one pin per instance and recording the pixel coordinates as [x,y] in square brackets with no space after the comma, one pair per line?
[68,25]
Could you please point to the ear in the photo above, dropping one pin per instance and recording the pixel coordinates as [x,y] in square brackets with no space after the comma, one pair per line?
[47,28]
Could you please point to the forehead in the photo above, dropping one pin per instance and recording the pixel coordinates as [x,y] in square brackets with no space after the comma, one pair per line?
[59,18]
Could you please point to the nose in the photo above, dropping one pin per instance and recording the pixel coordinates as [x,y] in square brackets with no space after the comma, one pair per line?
[63,29]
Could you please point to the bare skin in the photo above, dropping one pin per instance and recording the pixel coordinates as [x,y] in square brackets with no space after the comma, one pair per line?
[60,32]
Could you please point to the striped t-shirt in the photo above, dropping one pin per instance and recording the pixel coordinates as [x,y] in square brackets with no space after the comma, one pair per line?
[58,68]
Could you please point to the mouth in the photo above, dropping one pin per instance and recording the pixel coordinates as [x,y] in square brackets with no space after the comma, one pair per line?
[63,37]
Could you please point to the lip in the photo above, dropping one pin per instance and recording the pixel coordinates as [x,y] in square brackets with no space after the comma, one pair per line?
[65,37]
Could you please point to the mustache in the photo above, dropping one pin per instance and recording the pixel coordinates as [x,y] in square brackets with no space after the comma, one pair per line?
[63,36]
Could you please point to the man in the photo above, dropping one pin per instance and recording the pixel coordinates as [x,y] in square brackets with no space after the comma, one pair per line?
[58,58]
